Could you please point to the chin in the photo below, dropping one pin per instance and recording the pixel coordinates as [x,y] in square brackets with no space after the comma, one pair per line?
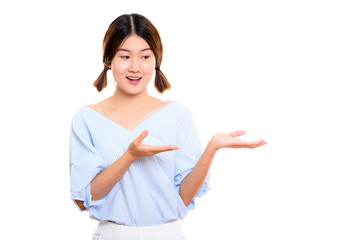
[132,91]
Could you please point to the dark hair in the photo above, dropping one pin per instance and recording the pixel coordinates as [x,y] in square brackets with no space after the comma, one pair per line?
[123,27]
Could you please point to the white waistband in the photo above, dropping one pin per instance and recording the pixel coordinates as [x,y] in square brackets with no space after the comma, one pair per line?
[166,231]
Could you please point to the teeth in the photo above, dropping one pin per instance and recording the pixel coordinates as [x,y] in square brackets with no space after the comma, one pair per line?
[134,79]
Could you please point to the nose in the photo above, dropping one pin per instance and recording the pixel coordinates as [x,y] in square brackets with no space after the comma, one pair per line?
[134,65]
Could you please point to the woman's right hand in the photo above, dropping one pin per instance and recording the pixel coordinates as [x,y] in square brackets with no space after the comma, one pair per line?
[137,149]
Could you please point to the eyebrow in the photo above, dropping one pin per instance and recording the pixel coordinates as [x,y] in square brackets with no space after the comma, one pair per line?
[127,50]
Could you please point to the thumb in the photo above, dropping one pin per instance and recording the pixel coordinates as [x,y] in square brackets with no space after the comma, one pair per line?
[237,133]
[141,137]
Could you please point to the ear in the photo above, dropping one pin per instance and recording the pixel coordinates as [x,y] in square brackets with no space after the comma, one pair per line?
[108,64]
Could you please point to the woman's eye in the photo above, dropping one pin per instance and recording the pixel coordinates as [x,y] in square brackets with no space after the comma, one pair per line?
[124,57]
[145,57]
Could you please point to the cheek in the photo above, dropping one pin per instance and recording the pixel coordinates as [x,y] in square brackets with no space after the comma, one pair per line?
[149,70]
[149,67]
[118,68]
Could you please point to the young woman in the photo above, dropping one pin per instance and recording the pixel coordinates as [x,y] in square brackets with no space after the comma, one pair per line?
[136,162]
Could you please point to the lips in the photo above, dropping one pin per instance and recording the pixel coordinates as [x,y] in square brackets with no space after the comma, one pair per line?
[133,79]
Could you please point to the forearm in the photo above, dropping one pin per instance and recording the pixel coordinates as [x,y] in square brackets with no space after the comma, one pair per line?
[106,180]
[193,182]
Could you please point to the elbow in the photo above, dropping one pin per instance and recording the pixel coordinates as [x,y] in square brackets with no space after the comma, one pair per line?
[80,204]
[187,202]
[96,196]
[186,199]
[186,195]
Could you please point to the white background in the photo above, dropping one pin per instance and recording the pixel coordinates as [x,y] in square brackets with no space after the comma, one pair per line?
[285,71]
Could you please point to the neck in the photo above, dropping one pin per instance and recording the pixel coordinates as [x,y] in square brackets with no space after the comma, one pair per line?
[121,100]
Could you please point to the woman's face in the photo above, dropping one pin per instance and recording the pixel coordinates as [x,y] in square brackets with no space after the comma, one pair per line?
[133,65]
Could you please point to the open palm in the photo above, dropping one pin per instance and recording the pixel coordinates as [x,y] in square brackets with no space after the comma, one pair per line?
[137,149]
[230,140]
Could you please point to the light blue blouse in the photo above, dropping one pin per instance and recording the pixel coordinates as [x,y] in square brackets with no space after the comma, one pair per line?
[148,193]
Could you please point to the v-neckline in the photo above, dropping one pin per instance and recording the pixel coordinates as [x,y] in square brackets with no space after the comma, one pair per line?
[138,125]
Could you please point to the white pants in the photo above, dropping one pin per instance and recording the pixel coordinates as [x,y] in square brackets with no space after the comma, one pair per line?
[112,231]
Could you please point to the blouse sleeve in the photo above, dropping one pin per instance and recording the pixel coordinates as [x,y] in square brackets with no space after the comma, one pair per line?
[85,162]
[189,153]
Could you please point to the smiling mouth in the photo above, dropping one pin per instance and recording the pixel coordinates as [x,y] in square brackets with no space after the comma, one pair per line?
[133,79]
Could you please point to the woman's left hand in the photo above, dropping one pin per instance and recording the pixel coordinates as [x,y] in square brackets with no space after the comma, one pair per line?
[230,140]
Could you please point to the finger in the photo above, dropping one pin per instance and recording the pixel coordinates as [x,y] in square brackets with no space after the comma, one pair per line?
[258,143]
[242,144]
[158,149]
[262,144]
[237,133]
[245,144]
[141,137]
[252,144]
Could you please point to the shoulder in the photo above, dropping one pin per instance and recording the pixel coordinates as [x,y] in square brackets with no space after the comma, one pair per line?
[172,106]
[91,105]
[156,104]
[103,107]
[181,108]
[99,107]
[181,114]
[81,115]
